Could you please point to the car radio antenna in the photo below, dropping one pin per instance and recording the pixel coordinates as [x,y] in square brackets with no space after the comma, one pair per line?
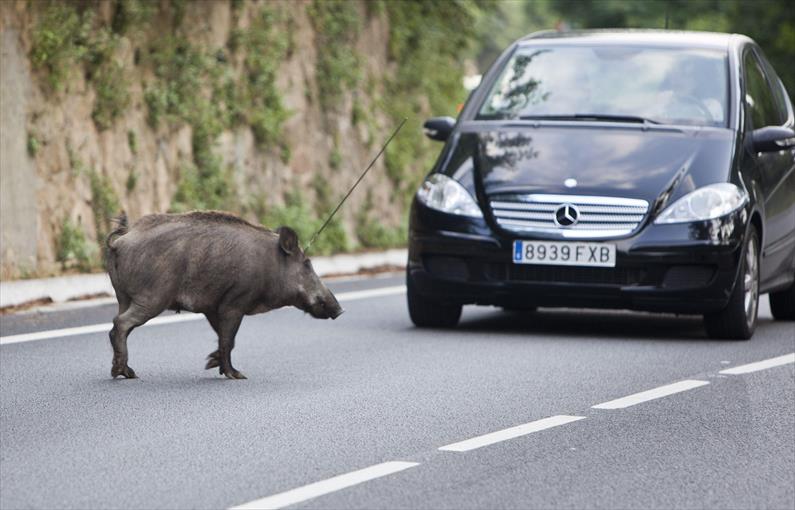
[330,216]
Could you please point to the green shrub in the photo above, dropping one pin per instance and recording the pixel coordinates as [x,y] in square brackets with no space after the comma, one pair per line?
[33,144]
[373,233]
[73,249]
[208,187]
[296,214]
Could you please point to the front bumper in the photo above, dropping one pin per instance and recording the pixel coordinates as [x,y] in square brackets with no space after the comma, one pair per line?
[681,268]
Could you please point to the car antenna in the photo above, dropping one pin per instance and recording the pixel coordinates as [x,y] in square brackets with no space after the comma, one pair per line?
[328,220]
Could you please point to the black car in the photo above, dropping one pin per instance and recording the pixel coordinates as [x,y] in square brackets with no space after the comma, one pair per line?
[645,170]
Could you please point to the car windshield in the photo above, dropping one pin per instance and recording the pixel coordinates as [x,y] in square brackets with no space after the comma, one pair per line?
[612,83]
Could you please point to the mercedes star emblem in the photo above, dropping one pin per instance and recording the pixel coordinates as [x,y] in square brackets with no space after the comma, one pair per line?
[566,215]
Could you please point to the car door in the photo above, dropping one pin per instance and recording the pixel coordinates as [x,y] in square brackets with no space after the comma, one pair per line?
[766,104]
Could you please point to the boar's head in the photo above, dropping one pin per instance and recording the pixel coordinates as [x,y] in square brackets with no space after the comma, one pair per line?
[300,280]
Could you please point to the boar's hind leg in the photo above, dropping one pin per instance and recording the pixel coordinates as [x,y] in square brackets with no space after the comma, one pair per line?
[123,324]
[228,324]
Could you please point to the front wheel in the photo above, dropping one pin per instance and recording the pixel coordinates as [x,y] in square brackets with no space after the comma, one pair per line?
[428,313]
[738,320]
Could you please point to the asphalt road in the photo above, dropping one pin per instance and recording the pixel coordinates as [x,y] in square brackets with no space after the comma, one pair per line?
[325,399]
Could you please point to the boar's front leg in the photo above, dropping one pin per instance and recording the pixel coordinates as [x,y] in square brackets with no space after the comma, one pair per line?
[225,325]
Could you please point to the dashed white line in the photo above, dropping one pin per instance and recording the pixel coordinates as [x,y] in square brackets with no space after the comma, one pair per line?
[510,433]
[183,317]
[760,365]
[327,486]
[645,396]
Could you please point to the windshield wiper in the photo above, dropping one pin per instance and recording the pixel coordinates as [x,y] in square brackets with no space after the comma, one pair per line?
[593,116]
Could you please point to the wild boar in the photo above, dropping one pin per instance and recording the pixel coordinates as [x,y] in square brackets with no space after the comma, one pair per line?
[212,263]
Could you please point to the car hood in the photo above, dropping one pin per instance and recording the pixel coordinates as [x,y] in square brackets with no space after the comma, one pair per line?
[632,162]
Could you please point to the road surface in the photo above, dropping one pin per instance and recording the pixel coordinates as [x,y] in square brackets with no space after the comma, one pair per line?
[506,411]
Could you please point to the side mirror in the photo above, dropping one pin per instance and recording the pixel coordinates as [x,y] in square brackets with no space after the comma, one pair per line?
[438,128]
[772,139]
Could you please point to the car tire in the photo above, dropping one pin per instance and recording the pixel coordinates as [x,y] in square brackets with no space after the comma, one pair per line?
[428,313]
[782,304]
[738,320]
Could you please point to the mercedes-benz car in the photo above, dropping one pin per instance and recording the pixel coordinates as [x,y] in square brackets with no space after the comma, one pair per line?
[644,170]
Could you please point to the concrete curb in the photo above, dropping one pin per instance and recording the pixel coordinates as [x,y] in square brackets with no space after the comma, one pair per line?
[64,288]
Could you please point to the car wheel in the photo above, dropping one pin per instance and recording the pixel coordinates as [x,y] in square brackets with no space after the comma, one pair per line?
[782,304]
[738,320]
[427,313]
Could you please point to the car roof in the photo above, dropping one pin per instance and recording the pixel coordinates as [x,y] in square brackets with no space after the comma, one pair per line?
[662,38]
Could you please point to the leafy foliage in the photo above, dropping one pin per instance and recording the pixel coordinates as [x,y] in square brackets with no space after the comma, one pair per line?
[337,25]
[63,39]
[73,249]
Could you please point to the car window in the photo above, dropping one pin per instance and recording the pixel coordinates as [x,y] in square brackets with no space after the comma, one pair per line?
[666,85]
[779,92]
[759,100]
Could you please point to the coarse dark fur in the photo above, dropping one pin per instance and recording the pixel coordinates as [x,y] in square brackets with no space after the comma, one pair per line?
[207,262]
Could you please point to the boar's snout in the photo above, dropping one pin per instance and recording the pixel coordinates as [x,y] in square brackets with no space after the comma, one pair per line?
[325,307]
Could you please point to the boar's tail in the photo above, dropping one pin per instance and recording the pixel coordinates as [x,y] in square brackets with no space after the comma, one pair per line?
[120,230]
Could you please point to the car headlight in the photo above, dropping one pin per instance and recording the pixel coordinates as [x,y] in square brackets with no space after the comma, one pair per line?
[707,203]
[448,195]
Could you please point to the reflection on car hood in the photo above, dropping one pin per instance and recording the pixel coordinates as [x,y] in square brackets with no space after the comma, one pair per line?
[609,161]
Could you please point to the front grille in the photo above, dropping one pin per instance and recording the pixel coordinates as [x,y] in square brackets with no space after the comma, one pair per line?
[620,276]
[597,217]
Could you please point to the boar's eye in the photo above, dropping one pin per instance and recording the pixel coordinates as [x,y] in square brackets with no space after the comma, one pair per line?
[307,264]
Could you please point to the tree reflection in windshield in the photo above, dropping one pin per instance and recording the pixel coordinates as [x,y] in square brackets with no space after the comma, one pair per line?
[517,89]
[672,85]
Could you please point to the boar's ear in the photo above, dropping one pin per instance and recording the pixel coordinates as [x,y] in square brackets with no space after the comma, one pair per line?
[288,240]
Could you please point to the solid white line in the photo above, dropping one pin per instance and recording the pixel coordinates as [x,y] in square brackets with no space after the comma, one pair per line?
[513,432]
[645,396]
[321,488]
[182,317]
[760,365]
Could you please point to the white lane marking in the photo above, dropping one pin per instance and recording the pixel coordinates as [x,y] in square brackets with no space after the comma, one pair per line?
[645,396]
[513,432]
[760,365]
[183,317]
[327,486]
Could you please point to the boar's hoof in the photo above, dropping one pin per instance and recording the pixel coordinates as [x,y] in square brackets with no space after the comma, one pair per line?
[213,360]
[124,371]
[234,374]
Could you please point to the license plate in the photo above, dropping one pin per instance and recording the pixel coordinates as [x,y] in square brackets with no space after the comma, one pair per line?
[554,253]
